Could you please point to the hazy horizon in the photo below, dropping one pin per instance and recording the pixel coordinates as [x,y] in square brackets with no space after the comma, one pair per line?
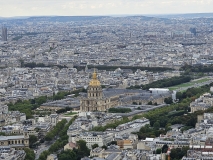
[20,8]
[110,15]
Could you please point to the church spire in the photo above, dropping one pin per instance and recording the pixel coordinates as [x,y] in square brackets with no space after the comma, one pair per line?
[94,75]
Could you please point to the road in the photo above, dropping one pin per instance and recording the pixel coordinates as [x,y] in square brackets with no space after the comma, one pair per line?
[43,147]
[46,145]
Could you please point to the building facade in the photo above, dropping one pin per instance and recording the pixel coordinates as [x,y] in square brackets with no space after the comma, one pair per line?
[101,100]
[94,100]
[17,142]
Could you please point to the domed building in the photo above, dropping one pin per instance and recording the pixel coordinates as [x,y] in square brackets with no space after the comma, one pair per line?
[101,100]
[94,100]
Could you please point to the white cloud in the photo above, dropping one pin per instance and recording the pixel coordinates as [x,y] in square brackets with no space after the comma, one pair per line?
[101,7]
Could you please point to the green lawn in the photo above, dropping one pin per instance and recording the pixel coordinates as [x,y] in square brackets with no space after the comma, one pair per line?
[189,83]
[70,114]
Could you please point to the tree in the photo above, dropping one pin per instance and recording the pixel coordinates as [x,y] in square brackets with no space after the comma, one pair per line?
[82,145]
[43,155]
[168,100]
[56,130]
[158,151]
[113,143]
[94,146]
[178,153]
[149,103]
[32,139]
[104,147]
[41,100]
[119,110]
[67,155]
[82,150]
[165,148]
[156,125]
[2,134]
[49,136]
[29,154]
[22,62]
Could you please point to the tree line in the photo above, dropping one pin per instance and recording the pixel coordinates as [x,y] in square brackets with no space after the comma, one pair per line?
[75,154]
[166,116]
[163,83]
[55,131]
[199,68]
[119,110]
[35,65]
[176,113]
[133,68]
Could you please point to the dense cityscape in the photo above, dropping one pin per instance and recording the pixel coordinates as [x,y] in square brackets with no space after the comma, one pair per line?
[106,88]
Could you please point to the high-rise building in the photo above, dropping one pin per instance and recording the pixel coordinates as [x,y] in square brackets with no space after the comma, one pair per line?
[4,34]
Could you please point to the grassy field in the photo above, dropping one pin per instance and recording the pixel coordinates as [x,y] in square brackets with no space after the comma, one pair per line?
[70,114]
[189,83]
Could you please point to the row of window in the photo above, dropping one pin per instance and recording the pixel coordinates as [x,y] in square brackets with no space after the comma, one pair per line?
[14,142]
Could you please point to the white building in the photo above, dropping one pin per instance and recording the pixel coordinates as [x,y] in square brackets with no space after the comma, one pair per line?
[159,90]
[133,126]
[100,138]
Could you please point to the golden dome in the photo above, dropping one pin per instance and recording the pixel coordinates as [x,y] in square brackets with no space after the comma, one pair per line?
[94,81]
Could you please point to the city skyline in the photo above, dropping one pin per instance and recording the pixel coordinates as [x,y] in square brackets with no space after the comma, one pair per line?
[13,8]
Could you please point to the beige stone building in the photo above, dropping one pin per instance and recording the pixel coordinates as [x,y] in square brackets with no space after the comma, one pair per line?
[101,100]
[52,157]
[17,142]
[204,102]
[95,100]
[70,146]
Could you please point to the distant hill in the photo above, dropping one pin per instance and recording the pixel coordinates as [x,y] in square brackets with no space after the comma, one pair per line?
[67,18]
[165,18]
[188,15]
[57,18]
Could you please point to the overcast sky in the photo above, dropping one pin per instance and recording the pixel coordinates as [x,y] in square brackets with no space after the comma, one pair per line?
[10,8]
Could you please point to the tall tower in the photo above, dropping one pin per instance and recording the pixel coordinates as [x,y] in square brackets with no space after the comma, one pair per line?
[4,34]
[95,89]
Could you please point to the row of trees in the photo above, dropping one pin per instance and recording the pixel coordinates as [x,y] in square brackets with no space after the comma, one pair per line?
[168,100]
[164,83]
[173,114]
[60,143]
[193,92]
[133,68]
[63,110]
[168,115]
[55,131]
[119,110]
[148,131]
[32,140]
[200,68]
[34,65]
[30,155]
[167,82]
